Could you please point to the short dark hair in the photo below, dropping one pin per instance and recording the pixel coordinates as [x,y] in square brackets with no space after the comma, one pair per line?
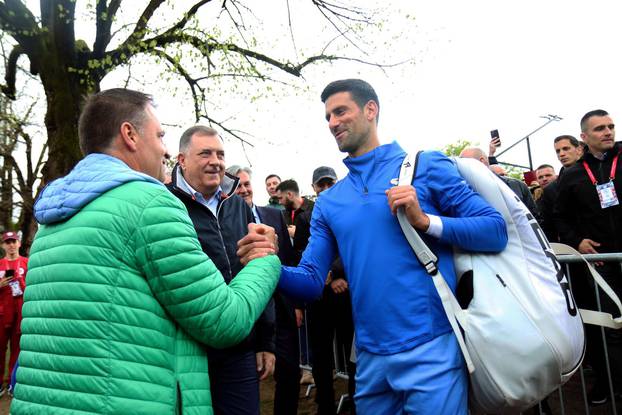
[361,92]
[186,136]
[571,139]
[271,176]
[289,185]
[545,166]
[587,116]
[104,112]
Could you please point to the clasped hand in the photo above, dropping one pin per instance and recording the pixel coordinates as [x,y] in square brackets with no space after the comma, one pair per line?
[260,241]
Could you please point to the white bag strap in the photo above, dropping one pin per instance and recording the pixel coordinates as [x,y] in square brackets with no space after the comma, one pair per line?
[598,318]
[455,313]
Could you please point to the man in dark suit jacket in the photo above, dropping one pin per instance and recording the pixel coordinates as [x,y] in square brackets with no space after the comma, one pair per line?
[287,370]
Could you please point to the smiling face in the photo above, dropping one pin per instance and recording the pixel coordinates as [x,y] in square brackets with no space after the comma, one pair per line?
[151,152]
[599,134]
[271,184]
[11,247]
[351,125]
[245,189]
[203,163]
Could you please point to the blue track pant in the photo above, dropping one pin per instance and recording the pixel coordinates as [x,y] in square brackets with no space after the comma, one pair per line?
[429,379]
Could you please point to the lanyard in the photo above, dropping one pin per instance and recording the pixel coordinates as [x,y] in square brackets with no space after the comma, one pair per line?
[612,174]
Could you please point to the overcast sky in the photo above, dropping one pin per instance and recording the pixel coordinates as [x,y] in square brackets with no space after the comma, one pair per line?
[479,65]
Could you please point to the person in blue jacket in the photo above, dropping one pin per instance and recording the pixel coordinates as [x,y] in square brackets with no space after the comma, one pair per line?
[408,359]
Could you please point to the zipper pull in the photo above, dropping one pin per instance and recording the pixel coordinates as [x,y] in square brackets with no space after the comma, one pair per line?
[365,190]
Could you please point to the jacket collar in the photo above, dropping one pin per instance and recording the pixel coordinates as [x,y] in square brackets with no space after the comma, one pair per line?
[589,157]
[380,154]
[93,176]
[228,185]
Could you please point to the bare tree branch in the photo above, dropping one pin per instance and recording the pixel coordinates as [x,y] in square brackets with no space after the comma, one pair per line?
[11,69]
[19,22]
[188,15]
[105,16]
[143,20]
[189,80]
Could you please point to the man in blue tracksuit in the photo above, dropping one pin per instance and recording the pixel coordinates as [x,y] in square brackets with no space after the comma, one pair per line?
[408,360]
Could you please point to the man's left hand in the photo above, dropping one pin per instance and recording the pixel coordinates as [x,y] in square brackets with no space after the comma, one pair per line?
[339,286]
[265,364]
[406,197]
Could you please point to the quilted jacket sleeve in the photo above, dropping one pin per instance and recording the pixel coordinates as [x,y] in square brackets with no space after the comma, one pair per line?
[188,284]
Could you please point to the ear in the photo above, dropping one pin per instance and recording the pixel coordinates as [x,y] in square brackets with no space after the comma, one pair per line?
[583,135]
[128,136]
[371,110]
[181,159]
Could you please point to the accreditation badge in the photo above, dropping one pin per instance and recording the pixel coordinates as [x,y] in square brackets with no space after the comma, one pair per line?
[607,195]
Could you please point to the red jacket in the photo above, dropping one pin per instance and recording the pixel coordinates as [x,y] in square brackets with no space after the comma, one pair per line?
[10,306]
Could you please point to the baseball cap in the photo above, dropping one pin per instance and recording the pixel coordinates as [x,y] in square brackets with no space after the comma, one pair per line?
[323,172]
[9,236]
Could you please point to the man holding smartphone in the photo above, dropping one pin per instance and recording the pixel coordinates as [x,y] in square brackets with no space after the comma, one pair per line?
[13,268]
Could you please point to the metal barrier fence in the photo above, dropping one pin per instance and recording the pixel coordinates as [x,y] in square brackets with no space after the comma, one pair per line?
[570,399]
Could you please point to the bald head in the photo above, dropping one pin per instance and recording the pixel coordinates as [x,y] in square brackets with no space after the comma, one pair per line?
[474,153]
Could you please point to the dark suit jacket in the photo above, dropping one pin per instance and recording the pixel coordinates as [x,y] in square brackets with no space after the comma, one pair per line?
[274,217]
[284,307]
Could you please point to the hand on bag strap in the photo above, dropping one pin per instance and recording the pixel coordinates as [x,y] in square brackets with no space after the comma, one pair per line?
[429,261]
[599,318]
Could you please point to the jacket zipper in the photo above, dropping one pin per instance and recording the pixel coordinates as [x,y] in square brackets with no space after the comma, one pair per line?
[222,240]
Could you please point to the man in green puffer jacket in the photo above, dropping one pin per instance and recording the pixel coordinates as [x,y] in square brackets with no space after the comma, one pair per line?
[120,294]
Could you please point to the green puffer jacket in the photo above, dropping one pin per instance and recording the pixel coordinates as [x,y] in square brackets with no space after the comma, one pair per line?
[119,297]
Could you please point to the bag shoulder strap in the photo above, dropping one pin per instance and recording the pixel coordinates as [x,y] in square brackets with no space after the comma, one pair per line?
[598,318]
[429,261]
[423,253]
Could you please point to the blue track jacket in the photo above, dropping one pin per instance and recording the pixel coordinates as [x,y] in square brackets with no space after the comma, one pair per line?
[394,302]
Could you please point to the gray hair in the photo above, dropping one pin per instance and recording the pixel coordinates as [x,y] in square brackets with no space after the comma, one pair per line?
[186,136]
[234,170]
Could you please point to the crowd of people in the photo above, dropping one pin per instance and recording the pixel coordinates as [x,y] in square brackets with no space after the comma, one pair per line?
[147,298]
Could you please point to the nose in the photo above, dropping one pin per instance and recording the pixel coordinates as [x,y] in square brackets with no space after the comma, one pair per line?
[213,160]
[333,122]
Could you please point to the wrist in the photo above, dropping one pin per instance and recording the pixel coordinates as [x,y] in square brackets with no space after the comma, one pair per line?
[422,223]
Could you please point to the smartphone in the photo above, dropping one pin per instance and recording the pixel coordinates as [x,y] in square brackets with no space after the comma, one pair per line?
[494,137]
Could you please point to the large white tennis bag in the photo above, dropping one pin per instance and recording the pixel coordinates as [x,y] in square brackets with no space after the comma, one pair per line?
[523,329]
[522,332]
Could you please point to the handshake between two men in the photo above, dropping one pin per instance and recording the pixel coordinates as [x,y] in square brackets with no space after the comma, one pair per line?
[260,241]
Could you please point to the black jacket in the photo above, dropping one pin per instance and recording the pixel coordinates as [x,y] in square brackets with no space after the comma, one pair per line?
[546,206]
[578,214]
[284,307]
[521,190]
[302,221]
[219,238]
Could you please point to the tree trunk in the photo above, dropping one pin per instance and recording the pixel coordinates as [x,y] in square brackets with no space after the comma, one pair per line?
[64,95]
[6,194]
[61,122]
